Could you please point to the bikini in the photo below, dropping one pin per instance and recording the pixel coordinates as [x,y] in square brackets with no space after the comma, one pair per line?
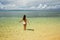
[24,22]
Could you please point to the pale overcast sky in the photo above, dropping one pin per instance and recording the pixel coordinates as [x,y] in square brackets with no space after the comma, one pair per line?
[30,4]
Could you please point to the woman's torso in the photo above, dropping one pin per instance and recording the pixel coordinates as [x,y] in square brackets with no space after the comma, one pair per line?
[24,22]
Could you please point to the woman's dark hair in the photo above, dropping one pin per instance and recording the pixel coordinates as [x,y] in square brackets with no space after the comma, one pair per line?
[24,17]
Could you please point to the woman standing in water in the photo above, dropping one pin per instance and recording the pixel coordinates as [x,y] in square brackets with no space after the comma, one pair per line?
[24,20]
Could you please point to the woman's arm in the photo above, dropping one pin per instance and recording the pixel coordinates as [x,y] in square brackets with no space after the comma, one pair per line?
[28,22]
[20,20]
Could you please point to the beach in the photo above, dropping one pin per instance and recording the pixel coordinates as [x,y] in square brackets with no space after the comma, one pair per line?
[38,29]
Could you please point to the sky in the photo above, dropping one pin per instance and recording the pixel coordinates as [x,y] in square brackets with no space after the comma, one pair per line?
[29,4]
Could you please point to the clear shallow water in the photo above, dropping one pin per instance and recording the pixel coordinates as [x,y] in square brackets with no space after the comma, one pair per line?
[44,29]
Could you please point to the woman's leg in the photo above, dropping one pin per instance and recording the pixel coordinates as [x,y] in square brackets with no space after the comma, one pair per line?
[24,26]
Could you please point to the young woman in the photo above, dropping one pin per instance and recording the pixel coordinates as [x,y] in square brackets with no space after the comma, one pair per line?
[24,20]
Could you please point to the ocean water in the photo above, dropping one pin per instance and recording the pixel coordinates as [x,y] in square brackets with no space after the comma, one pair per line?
[29,13]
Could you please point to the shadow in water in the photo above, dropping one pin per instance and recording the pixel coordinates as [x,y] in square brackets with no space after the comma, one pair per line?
[30,29]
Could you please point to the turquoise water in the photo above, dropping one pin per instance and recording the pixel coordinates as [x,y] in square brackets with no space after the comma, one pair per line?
[29,13]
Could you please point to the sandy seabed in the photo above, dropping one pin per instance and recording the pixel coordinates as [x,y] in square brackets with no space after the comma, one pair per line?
[37,30]
[33,33]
